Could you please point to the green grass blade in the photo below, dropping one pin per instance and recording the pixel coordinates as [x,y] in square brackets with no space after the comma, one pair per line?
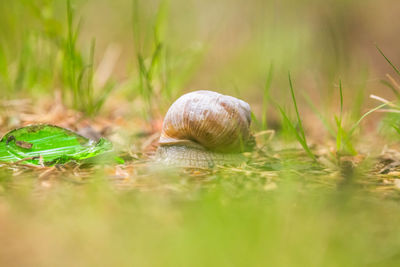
[298,136]
[391,87]
[396,128]
[89,83]
[296,109]
[160,21]
[106,91]
[154,61]
[254,119]
[363,116]
[388,60]
[339,120]
[322,118]
[266,93]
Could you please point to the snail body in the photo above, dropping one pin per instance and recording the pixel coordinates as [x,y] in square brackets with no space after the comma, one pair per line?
[205,128]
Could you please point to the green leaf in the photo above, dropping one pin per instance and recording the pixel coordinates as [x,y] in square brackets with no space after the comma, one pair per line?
[48,144]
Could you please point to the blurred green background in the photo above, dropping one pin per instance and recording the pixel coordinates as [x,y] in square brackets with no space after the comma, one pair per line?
[229,46]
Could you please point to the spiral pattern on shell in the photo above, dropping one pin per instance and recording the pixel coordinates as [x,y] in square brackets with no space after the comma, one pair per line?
[217,122]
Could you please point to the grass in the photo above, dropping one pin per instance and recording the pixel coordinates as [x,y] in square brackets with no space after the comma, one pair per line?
[392,84]
[392,117]
[79,75]
[146,73]
[388,61]
[159,77]
[339,121]
[49,57]
[330,201]
[344,143]
[266,97]
[299,133]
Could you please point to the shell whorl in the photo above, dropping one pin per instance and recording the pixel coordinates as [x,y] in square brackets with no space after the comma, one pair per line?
[217,122]
[205,128]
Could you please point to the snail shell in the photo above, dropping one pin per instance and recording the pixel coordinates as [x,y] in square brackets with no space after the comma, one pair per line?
[204,128]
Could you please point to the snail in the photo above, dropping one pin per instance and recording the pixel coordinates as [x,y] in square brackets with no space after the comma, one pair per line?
[204,128]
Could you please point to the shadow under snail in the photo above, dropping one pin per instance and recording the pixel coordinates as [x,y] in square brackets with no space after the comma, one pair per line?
[203,128]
